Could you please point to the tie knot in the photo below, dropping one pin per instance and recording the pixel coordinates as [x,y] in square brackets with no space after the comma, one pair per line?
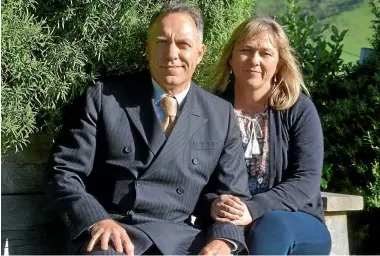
[169,105]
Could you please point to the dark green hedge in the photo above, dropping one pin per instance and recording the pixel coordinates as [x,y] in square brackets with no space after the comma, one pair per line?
[351,123]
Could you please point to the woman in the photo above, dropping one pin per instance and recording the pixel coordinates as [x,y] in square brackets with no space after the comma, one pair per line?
[283,142]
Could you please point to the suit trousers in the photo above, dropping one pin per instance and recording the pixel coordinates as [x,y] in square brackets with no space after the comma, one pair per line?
[288,233]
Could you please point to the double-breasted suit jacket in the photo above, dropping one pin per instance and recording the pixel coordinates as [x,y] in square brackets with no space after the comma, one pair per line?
[112,160]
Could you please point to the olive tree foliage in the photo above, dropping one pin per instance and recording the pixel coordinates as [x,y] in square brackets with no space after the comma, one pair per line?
[37,74]
[52,50]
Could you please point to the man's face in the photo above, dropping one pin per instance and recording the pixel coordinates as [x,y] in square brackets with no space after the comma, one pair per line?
[174,50]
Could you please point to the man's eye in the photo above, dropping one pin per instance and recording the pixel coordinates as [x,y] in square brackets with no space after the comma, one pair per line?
[185,45]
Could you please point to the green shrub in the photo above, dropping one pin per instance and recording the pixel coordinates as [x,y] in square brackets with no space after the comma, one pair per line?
[347,98]
[375,41]
[352,123]
[352,134]
[53,49]
[319,57]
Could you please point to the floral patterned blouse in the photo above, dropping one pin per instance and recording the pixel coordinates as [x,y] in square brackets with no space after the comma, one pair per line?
[254,133]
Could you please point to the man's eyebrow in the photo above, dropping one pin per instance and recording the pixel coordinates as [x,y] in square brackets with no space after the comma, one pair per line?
[185,40]
[163,38]
[181,40]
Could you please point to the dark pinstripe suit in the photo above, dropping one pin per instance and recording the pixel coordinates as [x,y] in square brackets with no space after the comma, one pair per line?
[112,160]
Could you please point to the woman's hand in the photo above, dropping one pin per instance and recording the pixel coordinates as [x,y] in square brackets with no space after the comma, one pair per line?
[228,208]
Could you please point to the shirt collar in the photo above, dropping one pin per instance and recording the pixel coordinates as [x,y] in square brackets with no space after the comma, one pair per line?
[159,93]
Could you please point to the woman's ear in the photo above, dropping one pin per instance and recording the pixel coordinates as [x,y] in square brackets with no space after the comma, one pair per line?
[274,78]
[279,66]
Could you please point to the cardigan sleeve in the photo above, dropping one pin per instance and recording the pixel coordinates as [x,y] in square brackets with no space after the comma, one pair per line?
[305,155]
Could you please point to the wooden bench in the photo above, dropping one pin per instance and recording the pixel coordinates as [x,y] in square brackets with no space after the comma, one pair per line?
[29,226]
[28,223]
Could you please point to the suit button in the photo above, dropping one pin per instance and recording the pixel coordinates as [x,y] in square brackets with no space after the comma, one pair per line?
[138,183]
[130,213]
[127,150]
[180,190]
[195,161]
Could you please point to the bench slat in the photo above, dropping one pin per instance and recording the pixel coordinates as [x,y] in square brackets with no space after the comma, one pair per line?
[333,202]
[22,172]
[21,211]
[46,239]
[30,226]
[17,178]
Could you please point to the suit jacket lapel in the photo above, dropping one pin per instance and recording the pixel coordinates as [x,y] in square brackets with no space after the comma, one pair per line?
[144,118]
[152,127]
[189,121]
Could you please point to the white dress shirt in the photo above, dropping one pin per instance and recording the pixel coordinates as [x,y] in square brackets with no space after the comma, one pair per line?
[159,93]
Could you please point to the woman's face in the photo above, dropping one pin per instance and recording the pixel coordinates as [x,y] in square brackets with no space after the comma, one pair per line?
[254,62]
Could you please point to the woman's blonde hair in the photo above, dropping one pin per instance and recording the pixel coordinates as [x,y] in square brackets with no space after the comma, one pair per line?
[286,90]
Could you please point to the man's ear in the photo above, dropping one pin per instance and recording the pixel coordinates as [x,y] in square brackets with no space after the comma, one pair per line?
[201,53]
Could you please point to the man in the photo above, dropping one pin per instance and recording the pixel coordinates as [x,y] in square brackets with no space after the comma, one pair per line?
[129,167]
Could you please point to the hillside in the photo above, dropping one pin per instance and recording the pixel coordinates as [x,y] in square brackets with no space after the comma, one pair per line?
[354,15]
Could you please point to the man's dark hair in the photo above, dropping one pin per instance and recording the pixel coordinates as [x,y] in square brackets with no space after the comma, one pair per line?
[181,7]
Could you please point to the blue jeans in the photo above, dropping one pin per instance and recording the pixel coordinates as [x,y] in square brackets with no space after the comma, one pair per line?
[288,233]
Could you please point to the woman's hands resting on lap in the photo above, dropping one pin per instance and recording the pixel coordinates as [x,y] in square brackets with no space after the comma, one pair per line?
[228,208]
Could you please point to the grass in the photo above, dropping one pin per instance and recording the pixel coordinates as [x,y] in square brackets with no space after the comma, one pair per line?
[358,23]
[357,19]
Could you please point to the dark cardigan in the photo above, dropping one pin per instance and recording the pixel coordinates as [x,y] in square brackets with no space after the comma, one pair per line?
[295,161]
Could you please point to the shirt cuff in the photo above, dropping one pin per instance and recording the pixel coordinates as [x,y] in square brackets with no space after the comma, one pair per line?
[234,244]
[88,230]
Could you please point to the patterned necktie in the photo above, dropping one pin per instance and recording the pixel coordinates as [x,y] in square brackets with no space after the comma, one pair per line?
[169,105]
